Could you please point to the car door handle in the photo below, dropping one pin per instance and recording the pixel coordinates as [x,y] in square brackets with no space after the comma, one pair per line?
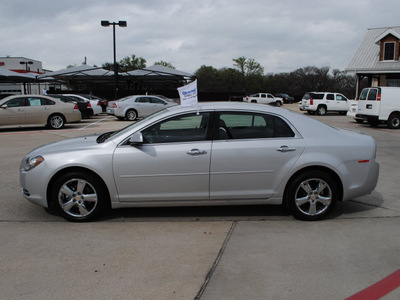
[285,149]
[196,152]
[21,109]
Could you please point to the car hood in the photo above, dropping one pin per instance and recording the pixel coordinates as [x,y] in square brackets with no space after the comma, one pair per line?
[68,145]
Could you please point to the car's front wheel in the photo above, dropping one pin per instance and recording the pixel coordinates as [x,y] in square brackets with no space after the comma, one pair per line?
[79,196]
[312,195]
[131,115]
[278,103]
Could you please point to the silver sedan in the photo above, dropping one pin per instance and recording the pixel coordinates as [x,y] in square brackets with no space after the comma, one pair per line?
[214,154]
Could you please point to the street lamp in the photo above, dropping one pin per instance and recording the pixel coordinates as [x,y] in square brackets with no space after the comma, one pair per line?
[26,63]
[120,24]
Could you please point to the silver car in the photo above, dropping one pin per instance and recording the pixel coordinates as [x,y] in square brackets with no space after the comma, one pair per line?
[139,106]
[214,154]
[36,109]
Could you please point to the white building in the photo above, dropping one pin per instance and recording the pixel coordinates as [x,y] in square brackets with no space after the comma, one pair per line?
[22,65]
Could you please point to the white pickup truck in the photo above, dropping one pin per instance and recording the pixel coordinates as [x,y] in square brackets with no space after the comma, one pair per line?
[264,98]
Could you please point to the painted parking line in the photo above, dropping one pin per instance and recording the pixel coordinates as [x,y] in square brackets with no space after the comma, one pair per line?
[94,123]
[379,289]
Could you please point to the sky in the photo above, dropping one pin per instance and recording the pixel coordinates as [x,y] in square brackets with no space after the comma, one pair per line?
[281,35]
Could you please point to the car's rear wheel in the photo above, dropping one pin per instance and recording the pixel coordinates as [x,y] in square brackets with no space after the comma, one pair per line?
[131,115]
[56,121]
[312,195]
[394,121]
[278,103]
[321,110]
[79,196]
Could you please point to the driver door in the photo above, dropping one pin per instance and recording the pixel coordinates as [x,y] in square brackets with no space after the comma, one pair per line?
[172,164]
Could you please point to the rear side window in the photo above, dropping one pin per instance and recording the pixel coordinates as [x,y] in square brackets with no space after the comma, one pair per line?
[330,97]
[318,96]
[235,125]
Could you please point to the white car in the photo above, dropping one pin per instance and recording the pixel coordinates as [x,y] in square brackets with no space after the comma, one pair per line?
[94,105]
[322,102]
[138,106]
[353,110]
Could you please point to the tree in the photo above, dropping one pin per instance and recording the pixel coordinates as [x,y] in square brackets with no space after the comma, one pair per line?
[251,71]
[165,64]
[208,79]
[127,64]
[131,63]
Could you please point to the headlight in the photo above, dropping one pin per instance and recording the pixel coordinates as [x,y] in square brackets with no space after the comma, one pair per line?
[33,162]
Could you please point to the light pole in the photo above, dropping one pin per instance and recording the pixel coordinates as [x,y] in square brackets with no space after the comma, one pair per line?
[26,63]
[120,24]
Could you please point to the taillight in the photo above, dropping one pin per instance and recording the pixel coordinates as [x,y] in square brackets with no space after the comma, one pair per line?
[98,103]
[76,107]
[114,105]
[89,105]
[378,98]
[311,101]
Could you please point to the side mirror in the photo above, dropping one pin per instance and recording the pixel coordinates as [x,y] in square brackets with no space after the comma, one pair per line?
[4,106]
[136,139]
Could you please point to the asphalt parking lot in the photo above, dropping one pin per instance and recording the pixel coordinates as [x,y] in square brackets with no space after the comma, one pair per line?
[256,252]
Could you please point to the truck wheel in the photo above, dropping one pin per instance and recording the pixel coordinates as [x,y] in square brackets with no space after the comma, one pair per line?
[278,103]
[394,121]
[321,110]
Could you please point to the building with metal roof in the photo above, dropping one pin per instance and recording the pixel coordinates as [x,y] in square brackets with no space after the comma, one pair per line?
[377,58]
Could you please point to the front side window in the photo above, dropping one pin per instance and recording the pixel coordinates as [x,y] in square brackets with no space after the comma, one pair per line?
[18,102]
[389,51]
[236,125]
[184,128]
[340,97]
[363,95]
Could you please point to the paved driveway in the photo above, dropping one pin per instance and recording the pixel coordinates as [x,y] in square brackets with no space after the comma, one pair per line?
[204,253]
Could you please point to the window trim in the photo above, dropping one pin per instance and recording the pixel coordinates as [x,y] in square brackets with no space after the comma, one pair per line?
[394,51]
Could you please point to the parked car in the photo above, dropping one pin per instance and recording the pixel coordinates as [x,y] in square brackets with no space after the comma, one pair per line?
[322,102]
[263,98]
[82,104]
[94,105]
[212,154]
[236,98]
[103,102]
[139,106]
[285,97]
[380,105]
[353,110]
[35,109]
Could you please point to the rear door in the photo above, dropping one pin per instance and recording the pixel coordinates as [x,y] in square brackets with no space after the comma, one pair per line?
[251,155]
[369,103]
[342,103]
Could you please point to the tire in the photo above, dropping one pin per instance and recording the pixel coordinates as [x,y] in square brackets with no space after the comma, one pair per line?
[131,115]
[278,103]
[394,121]
[321,110]
[79,197]
[56,121]
[312,195]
